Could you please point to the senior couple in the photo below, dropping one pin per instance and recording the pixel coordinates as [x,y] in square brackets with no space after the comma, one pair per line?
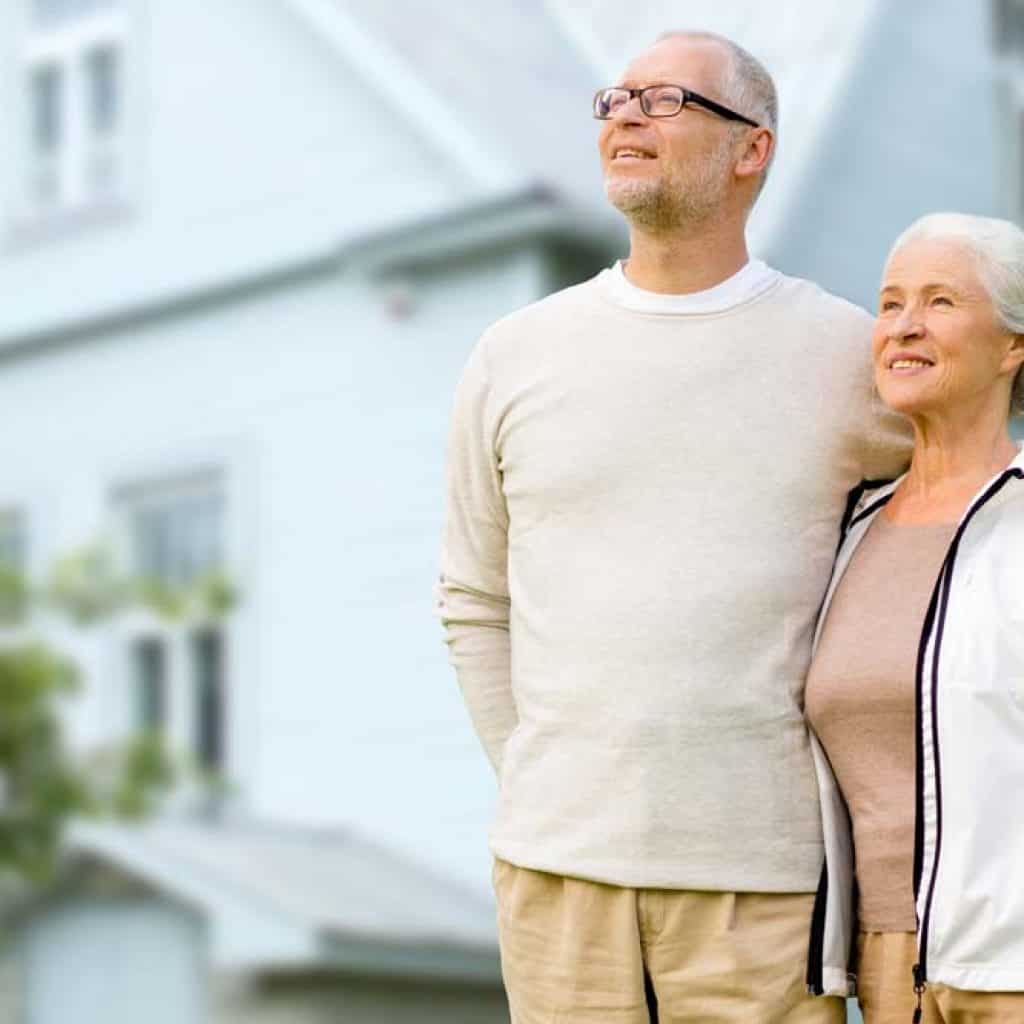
[742,773]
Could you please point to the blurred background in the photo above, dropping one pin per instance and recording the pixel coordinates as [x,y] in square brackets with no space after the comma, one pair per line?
[245,248]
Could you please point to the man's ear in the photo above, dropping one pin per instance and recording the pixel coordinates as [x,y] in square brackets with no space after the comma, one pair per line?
[759,148]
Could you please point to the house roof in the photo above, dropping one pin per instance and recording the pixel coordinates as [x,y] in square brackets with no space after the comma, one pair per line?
[511,77]
[518,216]
[335,885]
[457,70]
[465,70]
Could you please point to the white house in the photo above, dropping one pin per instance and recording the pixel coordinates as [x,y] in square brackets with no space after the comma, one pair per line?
[245,248]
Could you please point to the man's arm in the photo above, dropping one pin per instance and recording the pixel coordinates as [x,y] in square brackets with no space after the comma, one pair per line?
[888,440]
[883,440]
[473,600]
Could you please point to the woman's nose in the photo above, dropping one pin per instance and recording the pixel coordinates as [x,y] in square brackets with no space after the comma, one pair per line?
[907,326]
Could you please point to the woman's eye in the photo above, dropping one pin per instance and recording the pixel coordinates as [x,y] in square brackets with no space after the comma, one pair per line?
[942,300]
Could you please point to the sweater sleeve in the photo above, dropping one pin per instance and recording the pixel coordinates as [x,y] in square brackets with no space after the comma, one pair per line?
[887,441]
[884,439]
[472,592]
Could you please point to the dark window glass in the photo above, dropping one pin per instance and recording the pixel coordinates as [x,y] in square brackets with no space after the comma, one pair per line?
[1008,26]
[150,656]
[208,675]
[103,74]
[47,100]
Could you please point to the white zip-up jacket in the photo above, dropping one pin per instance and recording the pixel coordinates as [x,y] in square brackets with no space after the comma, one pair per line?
[969,845]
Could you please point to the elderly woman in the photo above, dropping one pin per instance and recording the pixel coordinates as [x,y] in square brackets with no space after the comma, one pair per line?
[916,692]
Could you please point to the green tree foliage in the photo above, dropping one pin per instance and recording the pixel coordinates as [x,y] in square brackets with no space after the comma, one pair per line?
[42,785]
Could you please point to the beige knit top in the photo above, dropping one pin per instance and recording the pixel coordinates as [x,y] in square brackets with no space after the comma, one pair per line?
[860,701]
[641,518]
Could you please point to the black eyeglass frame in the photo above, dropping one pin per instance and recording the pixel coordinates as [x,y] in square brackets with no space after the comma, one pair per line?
[688,96]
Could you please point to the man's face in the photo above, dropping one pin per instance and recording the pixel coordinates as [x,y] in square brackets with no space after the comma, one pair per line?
[670,171]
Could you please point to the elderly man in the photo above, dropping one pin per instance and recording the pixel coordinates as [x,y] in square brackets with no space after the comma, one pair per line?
[647,474]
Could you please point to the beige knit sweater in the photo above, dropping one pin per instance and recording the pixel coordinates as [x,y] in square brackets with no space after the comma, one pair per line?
[642,512]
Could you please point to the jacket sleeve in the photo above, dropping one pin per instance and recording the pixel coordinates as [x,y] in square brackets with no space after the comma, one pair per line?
[472,592]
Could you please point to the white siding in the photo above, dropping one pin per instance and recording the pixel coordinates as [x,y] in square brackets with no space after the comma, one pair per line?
[251,142]
[114,963]
[329,419]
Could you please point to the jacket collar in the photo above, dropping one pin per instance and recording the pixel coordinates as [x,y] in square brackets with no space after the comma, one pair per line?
[871,495]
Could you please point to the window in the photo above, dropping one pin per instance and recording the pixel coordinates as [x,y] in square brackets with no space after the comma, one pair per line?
[150,665]
[1008,26]
[208,675]
[103,80]
[176,530]
[47,13]
[13,565]
[172,534]
[75,104]
[13,546]
[47,100]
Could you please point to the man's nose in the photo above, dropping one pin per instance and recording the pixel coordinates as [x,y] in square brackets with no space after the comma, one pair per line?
[630,112]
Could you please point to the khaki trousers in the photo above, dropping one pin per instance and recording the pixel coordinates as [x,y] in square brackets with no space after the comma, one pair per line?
[580,952]
[885,988]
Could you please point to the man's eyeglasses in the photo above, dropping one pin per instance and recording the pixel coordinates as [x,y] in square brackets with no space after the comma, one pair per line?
[659,101]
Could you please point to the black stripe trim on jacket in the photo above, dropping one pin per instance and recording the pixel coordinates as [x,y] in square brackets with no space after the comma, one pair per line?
[816,949]
[870,509]
[929,623]
[853,500]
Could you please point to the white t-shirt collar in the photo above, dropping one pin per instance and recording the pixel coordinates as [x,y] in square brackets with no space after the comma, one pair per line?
[748,282]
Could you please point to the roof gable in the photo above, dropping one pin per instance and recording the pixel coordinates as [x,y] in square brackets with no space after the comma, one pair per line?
[393,76]
[501,83]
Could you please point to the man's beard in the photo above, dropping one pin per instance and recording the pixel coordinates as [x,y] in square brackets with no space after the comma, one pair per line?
[686,198]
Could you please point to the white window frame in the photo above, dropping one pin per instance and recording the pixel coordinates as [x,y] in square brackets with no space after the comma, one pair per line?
[20,512]
[16,631]
[65,46]
[139,624]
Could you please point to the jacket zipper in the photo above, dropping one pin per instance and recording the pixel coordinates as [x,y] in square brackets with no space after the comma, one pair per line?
[937,610]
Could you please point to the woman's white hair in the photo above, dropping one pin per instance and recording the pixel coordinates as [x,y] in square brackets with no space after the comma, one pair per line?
[998,247]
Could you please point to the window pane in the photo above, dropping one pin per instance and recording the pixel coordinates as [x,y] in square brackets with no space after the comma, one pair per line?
[13,545]
[176,533]
[46,128]
[208,674]
[102,72]
[49,13]
[150,657]
[47,102]
[1008,26]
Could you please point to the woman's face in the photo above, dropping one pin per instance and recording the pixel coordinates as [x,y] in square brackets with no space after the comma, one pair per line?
[938,346]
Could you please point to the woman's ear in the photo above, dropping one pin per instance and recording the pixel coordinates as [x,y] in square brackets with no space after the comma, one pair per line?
[1015,355]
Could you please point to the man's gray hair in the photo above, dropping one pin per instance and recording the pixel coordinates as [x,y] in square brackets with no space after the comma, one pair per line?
[747,86]
[998,247]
